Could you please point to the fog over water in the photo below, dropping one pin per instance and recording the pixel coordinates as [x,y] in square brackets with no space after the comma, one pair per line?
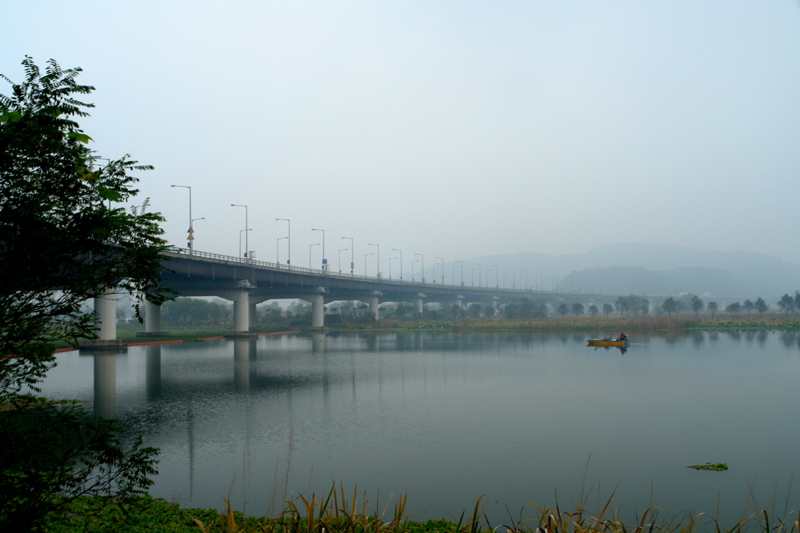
[449,129]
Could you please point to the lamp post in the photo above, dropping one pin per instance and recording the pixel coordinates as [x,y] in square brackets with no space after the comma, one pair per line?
[401,262]
[340,258]
[309,253]
[433,272]
[365,262]
[246,235]
[352,249]
[390,266]
[240,240]
[191,231]
[289,238]
[412,269]
[422,265]
[378,257]
[442,269]
[324,261]
[479,274]
[278,249]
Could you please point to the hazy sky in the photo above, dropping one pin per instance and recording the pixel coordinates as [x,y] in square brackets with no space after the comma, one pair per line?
[448,128]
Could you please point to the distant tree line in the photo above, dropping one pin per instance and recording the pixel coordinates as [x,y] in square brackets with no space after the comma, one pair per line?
[195,312]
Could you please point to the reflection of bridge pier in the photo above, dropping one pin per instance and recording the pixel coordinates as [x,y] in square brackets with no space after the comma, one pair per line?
[244,351]
[153,371]
[105,385]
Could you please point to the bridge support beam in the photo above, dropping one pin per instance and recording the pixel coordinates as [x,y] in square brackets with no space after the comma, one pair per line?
[373,307]
[105,305]
[152,321]
[253,317]
[418,303]
[317,310]
[241,312]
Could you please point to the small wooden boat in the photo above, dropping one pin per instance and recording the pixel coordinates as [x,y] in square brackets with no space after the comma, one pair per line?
[623,343]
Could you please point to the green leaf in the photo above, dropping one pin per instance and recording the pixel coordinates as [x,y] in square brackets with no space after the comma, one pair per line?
[109,194]
[10,116]
[82,137]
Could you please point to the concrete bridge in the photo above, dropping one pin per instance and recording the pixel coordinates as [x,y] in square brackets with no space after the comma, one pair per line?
[247,282]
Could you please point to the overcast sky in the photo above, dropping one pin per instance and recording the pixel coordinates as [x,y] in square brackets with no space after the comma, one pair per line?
[449,128]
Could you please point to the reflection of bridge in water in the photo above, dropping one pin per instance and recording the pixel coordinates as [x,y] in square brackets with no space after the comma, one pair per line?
[248,282]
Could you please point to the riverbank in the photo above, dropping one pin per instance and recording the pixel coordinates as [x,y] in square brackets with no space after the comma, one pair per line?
[589,324]
[334,514]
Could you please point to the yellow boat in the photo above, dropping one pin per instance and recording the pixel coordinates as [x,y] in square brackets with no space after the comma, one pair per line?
[623,343]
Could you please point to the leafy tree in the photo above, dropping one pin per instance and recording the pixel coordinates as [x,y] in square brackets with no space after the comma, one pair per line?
[669,305]
[634,304]
[680,306]
[489,311]
[607,309]
[593,310]
[645,306]
[696,304]
[621,305]
[562,309]
[712,308]
[733,308]
[797,299]
[786,303]
[577,309]
[748,306]
[761,306]
[474,310]
[194,312]
[63,240]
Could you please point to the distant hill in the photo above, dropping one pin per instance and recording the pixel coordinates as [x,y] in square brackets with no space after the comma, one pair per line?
[650,268]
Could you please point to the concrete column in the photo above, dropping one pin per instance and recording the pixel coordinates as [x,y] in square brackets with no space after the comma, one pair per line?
[253,319]
[317,311]
[460,303]
[106,308]
[419,303]
[373,307]
[152,318]
[241,312]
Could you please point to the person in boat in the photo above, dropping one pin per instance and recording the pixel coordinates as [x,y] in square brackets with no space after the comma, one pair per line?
[622,336]
[607,338]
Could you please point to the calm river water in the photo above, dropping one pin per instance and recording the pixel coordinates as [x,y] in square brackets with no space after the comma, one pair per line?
[450,417]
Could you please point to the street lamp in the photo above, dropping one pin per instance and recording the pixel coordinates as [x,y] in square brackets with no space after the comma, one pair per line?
[246,235]
[352,250]
[278,249]
[412,268]
[289,238]
[401,262]
[442,269]
[309,253]
[390,266]
[340,258]
[422,264]
[378,257]
[191,231]
[240,239]
[365,262]
[480,275]
[324,261]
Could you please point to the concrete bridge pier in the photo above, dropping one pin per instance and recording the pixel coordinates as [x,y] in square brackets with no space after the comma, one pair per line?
[253,317]
[373,302]
[317,310]
[152,321]
[105,306]
[241,311]
[419,303]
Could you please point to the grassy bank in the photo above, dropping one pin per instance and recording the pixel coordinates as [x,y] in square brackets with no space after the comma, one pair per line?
[339,513]
[598,324]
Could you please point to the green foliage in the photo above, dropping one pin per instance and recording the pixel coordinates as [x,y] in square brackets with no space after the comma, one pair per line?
[696,304]
[760,306]
[193,312]
[525,308]
[562,309]
[577,309]
[669,305]
[62,241]
[607,309]
[593,310]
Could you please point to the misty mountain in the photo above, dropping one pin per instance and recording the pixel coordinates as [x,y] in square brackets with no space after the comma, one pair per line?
[647,268]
